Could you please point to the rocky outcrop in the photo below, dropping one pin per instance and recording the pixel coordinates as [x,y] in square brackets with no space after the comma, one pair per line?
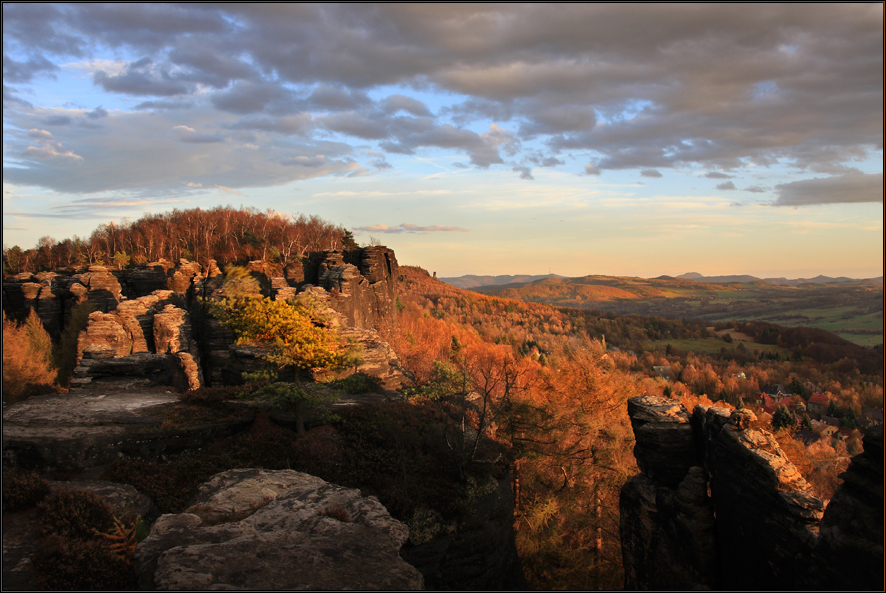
[375,358]
[718,505]
[362,284]
[276,530]
[145,342]
[359,286]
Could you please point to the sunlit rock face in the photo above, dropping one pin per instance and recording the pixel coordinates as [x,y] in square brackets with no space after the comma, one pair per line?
[276,530]
[720,506]
[158,308]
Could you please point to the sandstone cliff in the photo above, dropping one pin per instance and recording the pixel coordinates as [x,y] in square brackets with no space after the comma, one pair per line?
[151,328]
[718,505]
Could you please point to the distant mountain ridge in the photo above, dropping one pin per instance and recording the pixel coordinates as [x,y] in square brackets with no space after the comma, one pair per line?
[746,279]
[472,281]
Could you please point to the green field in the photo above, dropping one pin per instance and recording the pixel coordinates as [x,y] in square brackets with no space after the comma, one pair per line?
[853,310]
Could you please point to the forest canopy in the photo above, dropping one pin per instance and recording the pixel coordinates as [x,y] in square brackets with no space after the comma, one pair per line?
[223,233]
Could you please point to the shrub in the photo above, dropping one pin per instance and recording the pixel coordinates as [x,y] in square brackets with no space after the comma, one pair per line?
[27,352]
[357,383]
[80,565]
[289,397]
[211,396]
[74,514]
[22,490]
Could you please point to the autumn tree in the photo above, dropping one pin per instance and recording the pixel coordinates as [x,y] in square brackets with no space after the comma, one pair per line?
[27,358]
[290,335]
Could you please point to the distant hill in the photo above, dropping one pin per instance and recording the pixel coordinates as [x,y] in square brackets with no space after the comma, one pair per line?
[745,279]
[472,281]
[853,309]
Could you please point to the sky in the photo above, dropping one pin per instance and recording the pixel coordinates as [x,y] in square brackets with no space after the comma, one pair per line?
[574,139]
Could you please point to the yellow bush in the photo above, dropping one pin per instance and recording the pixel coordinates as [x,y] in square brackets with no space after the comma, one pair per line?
[27,359]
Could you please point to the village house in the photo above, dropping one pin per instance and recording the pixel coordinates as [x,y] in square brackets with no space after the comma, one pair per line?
[818,403]
[776,391]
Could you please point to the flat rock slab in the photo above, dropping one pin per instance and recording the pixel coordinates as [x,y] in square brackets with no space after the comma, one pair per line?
[81,430]
[85,408]
[276,530]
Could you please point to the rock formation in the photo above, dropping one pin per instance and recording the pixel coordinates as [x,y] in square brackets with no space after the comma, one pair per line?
[144,342]
[276,530]
[359,285]
[718,505]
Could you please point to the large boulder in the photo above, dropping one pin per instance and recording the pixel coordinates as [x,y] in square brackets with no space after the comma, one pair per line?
[276,530]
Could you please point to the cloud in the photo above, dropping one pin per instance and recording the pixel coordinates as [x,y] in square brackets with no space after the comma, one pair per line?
[650,173]
[47,151]
[412,106]
[165,104]
[172,150]
[525,172]
[15,71]
[838,189]
[190,135]
[410,228]
[97,113]
[756,189]
[576,79]
[591,169]
[726,186]
[141,78]
[248,97]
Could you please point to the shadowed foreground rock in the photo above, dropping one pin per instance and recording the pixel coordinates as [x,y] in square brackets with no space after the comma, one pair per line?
[276,530]
[726,509]
[92,429]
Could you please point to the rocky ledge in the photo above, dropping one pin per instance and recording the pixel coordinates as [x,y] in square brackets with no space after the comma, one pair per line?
[86,430]
[276,530]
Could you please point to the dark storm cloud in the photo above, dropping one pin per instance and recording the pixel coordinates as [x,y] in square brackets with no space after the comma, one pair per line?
[639,86]
[838,189]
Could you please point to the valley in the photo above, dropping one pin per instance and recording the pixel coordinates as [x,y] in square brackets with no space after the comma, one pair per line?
[852,309]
